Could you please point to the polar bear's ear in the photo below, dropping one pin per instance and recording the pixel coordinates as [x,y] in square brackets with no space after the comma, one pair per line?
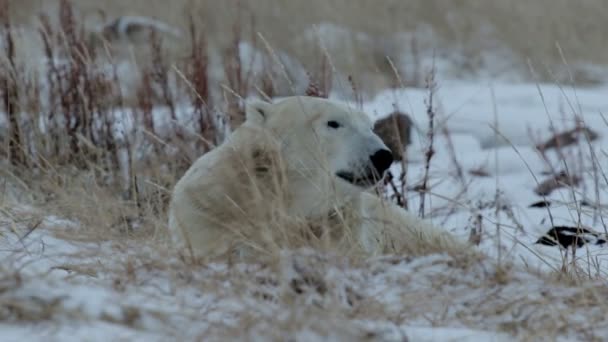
[258,111]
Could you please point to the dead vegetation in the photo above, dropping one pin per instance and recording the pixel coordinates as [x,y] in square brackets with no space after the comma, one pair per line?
[72,134]
[462,32]
[84,150]
[300,292]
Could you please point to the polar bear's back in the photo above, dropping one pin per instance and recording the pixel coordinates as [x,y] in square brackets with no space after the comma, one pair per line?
[224,190]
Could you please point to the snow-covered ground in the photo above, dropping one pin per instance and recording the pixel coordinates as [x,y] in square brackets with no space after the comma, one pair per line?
[129,290]
[494,128]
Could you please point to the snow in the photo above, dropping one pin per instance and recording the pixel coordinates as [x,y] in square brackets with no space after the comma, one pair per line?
[526,115]
[429,298]
[452,334]
[131,290]
[471,108]
[123,23]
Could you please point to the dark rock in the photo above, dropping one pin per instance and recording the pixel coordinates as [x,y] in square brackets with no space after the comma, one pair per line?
[540,204]
[560,180]
[567,138]
[571,237]
[395,131]
[479,172]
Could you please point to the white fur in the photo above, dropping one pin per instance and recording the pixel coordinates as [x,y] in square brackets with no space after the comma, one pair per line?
[222,191]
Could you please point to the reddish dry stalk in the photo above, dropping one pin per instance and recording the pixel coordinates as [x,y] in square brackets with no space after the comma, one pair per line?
[356,92]
[160,75]
[267,86]
[145,106]
[452,152]
[320,81]
[326,75]
[403,178]
[314,89]
[132,183]
[430,111]
[199,62]
[10,96]
[254,46]
[267,83]
[400,197]
[403,187]
[52,76]
[106,88]
[476,232]
[73,101]
[233,68]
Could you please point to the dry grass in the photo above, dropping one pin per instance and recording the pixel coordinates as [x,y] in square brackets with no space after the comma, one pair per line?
[298,293]
[576,27]
[464,32]
[83,152]
[120,182]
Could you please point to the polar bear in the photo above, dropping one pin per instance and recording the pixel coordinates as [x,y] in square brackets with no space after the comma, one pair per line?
[299,164]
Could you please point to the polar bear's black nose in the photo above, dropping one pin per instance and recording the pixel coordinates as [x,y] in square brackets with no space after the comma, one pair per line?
[382,160]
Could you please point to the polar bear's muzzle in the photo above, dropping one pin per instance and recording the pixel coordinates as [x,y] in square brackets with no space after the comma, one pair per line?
[379,162]
[382,161]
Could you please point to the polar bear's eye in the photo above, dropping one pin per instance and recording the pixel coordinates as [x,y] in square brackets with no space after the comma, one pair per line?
[333,124]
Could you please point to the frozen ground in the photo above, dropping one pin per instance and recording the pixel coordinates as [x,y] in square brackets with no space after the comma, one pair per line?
[527,115]
[53,288]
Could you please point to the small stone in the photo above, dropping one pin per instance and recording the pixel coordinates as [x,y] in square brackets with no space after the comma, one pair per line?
[395,131]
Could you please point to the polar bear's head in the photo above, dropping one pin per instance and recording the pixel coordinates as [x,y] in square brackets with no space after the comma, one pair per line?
[319,136]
